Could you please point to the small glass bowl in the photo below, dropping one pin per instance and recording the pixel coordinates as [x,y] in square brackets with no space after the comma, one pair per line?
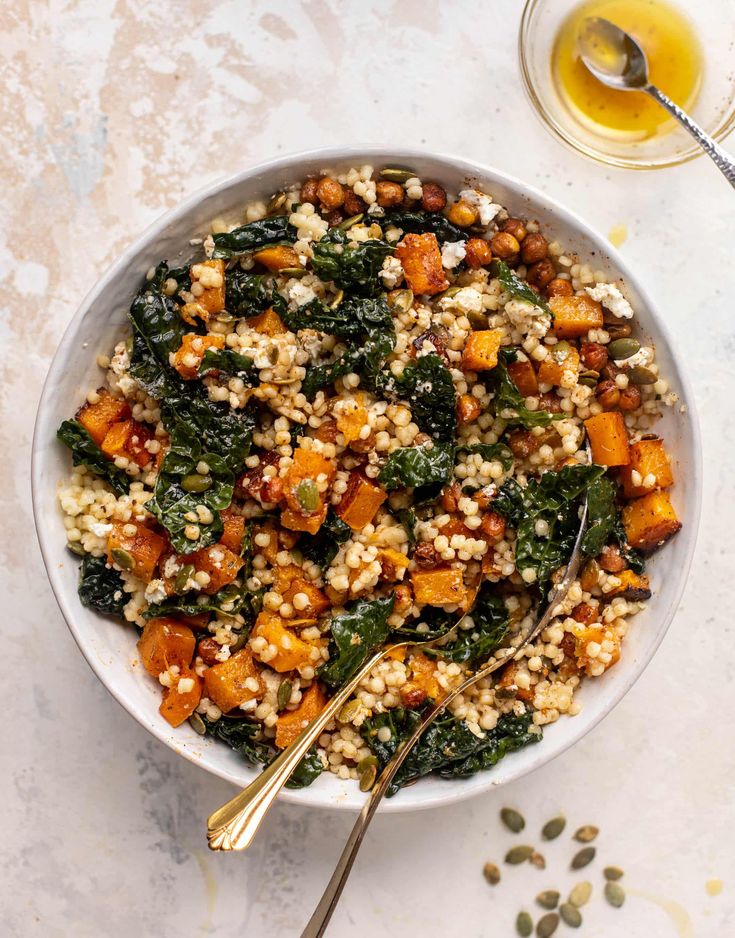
[714,110]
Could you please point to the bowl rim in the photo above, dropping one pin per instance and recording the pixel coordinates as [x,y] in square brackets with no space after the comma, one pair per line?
[558,130]
[357,155]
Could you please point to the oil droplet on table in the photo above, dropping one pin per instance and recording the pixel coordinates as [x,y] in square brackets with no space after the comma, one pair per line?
[674,60]
[618,235]
[713,887]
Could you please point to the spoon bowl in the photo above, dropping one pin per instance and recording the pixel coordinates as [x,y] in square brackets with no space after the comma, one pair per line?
[612,55]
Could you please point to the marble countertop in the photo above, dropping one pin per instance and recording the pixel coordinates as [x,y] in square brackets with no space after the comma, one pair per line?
[114,111]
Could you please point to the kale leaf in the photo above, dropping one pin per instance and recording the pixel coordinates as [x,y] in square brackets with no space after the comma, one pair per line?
[407,517]
[422,222]
[245,737]
[489,617]
[519,289]
[509,398]
[365,360]
[356,632]
[426,385]
[101,587]
[354,317]
[448,745]
[554,499]
[490,452]
[228,362]
[85,452]
[248,294]
[321,548]
[601,516]
[230,600]
[354,267]
[254,235]
[417,465]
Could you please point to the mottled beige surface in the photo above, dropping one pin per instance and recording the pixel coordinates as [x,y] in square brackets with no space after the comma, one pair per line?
[110,113]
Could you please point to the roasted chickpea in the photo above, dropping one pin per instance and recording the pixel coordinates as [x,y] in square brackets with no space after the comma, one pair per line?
[493,526]
[450,498]
[463,214]
[353,205]
[515,227]
[330,193]
[426,555]
[505,246]
[608,394]
[433,198]
[334,217]
[630,398]
[584,613]
[389,194]
[611,560]
[559,287]
[327,430]
[477,253]
[593,355]
[412,695]
[308,190]
[549,402]
[535,248]
[541,273]
[403,599]
[617,329]
[207,649]
[468,408]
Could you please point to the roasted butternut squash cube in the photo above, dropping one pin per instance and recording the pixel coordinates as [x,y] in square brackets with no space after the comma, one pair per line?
[422,263]
[234,531]
[438,587]
[138,552]
[291,650]
[481,350]
[165,642]
[649,521]
[233,682]
[219,562]
[267,323]
[97,419]
[352,417]
[128,439]
[277,257]
[561,363]
[422,670]
[188,357]
[317,602]
[182,698]
[210,275]
[633,586]
[393,564]
[304,487]
[574,316]
[290,723]
[647,458]
[608,439]
[597,648]
[296,521]
[524,377]
[508,684]
[360,502]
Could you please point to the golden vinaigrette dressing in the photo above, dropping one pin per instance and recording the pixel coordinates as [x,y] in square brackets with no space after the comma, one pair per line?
[674,62]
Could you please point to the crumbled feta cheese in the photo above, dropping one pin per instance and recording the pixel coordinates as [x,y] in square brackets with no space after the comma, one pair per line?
[483,203]
[466,300]
[299,293]
[392,272]
[612,299]
[527,318]
[100,529]
[155,591]
[208,245]
[453,253]
[644,356]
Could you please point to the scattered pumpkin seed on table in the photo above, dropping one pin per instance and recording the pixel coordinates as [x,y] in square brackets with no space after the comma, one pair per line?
[513,820]
[583,857]
[586,834]
[524,924]
[547,925]
[491,873]
[615,894]
[518,855]
[554,827]
[570,915]
[538,860]
[580,894]
[612,873]
[548,899]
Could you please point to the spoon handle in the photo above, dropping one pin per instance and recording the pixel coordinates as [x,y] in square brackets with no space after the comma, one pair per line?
[724,162]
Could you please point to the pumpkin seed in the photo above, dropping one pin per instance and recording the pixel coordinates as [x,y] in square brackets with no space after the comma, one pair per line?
[284,693]
[338,297]
[491,873]
[518,855]
[239,642]
[123,558]
[560,351]
[617,330]
[547,925]
[367,777]
[513,820]
[197,724]
[612,873]
[349,222]
[224,316]
[570,915]
[580,894]
[183,577]
[196,483]
[586,834]
[293,271]
[449,292]
[615,894]
[548,899]
[277,201]
[350,710]
[76,548]
[366,763]
[623,348]
[394,174]
[640,375]
[538,860]
[307,495]
[589,378]
[402,300]
[524,924]
[586,855]
[554,827]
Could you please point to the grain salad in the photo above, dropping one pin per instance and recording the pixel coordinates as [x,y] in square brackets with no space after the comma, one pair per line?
[361,413]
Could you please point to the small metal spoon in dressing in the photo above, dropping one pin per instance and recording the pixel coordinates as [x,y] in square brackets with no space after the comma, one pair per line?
[615,58]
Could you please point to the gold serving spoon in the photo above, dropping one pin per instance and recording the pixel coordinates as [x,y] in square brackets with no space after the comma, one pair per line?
[322,914]
[615,58]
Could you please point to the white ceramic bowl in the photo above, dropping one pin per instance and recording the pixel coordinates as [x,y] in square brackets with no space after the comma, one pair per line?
[109,647]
